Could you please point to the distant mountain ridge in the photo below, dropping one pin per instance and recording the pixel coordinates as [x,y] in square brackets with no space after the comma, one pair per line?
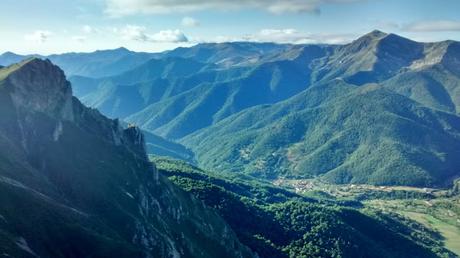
[228,54]
[95,64]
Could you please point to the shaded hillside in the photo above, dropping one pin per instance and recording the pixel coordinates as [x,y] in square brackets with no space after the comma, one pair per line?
[159,146]
[130,92]
[434,80]
[208,103]
[164,95]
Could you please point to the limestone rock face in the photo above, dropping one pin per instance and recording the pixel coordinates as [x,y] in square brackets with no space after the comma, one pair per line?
[40,86]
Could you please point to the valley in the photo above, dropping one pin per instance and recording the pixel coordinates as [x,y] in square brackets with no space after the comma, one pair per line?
[437,209]
[429,217]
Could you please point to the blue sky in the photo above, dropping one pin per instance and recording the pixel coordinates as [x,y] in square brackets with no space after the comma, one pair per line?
[56,26]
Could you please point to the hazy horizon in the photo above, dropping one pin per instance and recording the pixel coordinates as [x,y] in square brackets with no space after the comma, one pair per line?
[197,43]
[155,25]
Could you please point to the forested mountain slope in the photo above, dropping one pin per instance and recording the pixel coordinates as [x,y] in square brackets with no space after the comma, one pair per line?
[382,109]
[344,133]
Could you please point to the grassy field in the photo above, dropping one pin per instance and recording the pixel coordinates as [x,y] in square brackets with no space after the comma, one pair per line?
[440,214]
[437,209]
[450,232]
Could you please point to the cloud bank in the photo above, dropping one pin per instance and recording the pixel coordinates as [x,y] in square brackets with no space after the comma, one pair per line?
[131,7]
[433,26]
[190,22]
[39,36]
[291,36]
[139,33]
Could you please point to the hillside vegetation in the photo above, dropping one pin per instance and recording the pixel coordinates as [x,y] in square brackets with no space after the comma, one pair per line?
[277,223]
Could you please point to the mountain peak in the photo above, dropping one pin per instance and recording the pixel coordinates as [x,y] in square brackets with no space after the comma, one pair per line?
[122,49]
[9,53]
[366,41]
[38,63]
[377,33]
[37,85]
[117,50]
[373,35]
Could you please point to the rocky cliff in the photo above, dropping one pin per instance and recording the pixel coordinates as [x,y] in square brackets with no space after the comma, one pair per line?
[74,183]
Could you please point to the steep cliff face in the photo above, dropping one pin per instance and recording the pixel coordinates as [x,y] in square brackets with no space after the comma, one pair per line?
[74,183]
[38,86]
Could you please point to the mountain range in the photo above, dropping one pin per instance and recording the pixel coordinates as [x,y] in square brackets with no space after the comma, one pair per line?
[74,183]
[382,109]
[97,64]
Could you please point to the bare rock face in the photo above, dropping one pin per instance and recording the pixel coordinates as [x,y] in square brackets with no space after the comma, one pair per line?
[134,137]
[40,86]
[452,58]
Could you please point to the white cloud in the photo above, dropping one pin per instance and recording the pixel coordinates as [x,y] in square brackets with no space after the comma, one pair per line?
[139,33]
[87,29]
[433,26]
[173,36]
[190,22]
[387,25]
[39,36]
[79,39]
[279,35]
[292,36]
[294,7]
[133,32]
[130,7]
